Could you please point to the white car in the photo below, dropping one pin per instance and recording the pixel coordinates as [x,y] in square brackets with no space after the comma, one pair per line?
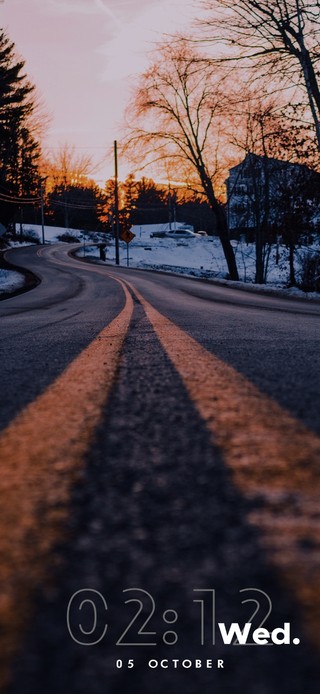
[181,234]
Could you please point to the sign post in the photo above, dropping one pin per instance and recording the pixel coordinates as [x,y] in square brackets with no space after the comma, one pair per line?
[127,237]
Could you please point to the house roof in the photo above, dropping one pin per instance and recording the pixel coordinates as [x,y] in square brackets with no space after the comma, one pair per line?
[280,163]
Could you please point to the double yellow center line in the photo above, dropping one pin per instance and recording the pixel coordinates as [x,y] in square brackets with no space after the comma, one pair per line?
[272,456]
[42,453]
[43,449]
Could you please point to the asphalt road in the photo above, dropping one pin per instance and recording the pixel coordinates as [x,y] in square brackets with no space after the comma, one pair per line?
[196,470]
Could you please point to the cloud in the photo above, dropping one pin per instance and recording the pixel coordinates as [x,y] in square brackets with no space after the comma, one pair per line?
[82,7]
[128,51]
[105,8]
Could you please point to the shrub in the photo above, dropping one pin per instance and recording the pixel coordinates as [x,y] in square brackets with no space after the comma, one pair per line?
[68,237]
[30,235]
[310,272]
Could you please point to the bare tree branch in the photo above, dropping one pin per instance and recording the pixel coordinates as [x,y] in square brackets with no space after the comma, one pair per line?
[281,36]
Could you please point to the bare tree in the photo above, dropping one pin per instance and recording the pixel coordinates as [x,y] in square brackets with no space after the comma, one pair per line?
[64,171]
[175,117]
[66,167]
[280,36]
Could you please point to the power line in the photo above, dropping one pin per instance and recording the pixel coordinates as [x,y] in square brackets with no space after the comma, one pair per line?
[32,201]
[84,147]
[18,201]
[75,205]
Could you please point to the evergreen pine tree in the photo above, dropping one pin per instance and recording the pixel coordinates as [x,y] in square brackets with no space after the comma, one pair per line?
[19,152]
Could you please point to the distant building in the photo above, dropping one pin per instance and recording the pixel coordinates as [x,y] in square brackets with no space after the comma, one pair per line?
[257,188]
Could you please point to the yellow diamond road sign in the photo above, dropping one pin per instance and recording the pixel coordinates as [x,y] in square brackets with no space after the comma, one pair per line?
[127,236]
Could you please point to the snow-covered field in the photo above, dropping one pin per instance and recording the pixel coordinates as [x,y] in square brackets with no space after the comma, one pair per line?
[200,257]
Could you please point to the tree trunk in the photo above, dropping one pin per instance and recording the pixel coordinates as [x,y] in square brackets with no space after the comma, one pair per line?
[262,225]
[222,227]
[292,277]
[312,89]
[259,277]
[223,234]
[309,74]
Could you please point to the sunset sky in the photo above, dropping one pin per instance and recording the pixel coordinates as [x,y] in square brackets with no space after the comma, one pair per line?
[82,55]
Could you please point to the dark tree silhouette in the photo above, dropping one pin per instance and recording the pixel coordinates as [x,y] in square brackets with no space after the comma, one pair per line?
[19,150]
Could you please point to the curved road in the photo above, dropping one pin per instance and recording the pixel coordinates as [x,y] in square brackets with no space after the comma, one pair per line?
[159,435]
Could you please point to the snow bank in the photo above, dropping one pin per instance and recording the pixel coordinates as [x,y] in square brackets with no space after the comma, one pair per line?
[51,234]
[10,281]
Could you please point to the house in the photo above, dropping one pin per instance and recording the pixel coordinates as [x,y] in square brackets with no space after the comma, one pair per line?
[260,189]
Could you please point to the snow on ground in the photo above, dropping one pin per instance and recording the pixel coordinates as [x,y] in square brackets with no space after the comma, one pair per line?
[195,255]
[198,257]
[10,281]
[51,234]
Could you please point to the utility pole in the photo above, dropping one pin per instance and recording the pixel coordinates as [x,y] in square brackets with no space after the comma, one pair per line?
[42,210]
[66,211]
[174,216]
[116,201]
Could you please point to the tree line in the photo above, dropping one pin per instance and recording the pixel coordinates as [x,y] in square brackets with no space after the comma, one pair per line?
[20,149]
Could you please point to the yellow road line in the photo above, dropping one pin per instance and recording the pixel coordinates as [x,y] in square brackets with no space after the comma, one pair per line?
[42,453]
[271,455]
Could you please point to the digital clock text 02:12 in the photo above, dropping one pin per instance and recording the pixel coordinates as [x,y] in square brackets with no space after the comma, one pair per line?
[87,616]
